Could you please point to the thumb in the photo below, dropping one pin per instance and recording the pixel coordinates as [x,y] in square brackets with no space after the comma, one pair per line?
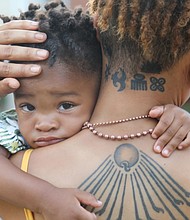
[156,111]
[88,199]
[8,85]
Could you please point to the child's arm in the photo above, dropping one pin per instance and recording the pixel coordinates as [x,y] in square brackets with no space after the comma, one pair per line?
[25,190]
[172,130]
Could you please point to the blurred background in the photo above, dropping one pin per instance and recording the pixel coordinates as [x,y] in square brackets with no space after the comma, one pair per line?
[12,7]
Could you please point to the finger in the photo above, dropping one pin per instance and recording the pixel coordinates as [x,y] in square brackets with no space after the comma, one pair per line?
[21,36]
[173,131]
[20,24]
[88,199]
[185,143]
[11,70]
[171,146]
[8,86]
[156,111]
[8,52]
[86,215]
[165,121]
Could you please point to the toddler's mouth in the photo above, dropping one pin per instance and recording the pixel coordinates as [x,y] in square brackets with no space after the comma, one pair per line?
[45,141]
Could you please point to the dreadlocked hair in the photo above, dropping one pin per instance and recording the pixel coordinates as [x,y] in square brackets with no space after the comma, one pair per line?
[71,36]
[151,34]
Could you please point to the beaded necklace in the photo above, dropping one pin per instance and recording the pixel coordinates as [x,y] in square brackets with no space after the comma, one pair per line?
[91,127]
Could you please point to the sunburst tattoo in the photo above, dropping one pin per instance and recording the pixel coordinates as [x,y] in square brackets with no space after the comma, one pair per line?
[132,179]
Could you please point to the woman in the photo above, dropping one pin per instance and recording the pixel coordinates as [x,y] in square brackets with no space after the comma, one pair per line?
[114,160]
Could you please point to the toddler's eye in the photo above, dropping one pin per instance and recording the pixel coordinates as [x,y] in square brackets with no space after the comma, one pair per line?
[27,107]
[66,106]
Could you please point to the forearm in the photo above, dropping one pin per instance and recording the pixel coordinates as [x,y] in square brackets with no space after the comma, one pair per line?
[20,188]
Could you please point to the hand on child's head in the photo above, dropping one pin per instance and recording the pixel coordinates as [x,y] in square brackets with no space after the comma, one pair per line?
[18,32]
[8,85]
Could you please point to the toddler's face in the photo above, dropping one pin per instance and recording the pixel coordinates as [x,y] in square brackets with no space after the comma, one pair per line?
[53,106]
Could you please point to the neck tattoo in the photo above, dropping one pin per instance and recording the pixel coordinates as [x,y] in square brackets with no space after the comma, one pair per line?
[91,127]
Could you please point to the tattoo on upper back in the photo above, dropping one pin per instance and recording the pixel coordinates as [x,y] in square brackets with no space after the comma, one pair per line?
[132,182]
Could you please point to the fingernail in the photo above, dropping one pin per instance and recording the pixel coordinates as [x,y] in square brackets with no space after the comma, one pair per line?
[154,136]
[156,111]
[40,36]
[180,148]
[157,149]
[34,23]
[35,69]
[99,202]
[165,152]
[13,85]
[42,53]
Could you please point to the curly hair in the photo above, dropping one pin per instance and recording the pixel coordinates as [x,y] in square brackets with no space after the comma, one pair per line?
[71,36]
[152,34]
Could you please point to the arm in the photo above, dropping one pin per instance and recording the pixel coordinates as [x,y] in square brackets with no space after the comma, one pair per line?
[172,129]
[40,196]
[18,32]
[37,195]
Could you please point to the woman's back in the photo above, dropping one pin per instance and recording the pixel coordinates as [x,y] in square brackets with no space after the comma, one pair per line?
[130,180]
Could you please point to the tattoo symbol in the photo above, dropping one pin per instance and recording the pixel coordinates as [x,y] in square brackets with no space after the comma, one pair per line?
[126,156]
[138,83]
[157,84]
[119,78]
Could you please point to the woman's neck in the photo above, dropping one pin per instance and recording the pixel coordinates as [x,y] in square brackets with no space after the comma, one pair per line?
[122,95]
[118,106]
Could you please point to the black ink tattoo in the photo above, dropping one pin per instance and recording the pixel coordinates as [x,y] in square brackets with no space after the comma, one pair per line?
[132,178]
[119,79]
[139,82]
[157,84]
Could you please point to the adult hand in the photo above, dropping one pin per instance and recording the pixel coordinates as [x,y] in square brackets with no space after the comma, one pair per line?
[15,32]
[65,204]
[172,130]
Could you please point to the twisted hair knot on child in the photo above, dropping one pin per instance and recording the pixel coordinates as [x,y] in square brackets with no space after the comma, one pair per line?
[68,34]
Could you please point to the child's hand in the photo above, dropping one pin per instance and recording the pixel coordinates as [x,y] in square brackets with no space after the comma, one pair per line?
[172,129]
[65,204]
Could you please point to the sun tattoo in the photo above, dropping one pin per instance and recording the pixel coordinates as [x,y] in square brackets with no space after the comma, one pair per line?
[130,179]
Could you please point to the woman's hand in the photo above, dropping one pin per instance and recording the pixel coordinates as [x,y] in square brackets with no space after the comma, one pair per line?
[172,130]
[18,32]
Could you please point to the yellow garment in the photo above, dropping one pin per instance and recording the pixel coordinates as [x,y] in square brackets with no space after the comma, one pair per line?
[28,214]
